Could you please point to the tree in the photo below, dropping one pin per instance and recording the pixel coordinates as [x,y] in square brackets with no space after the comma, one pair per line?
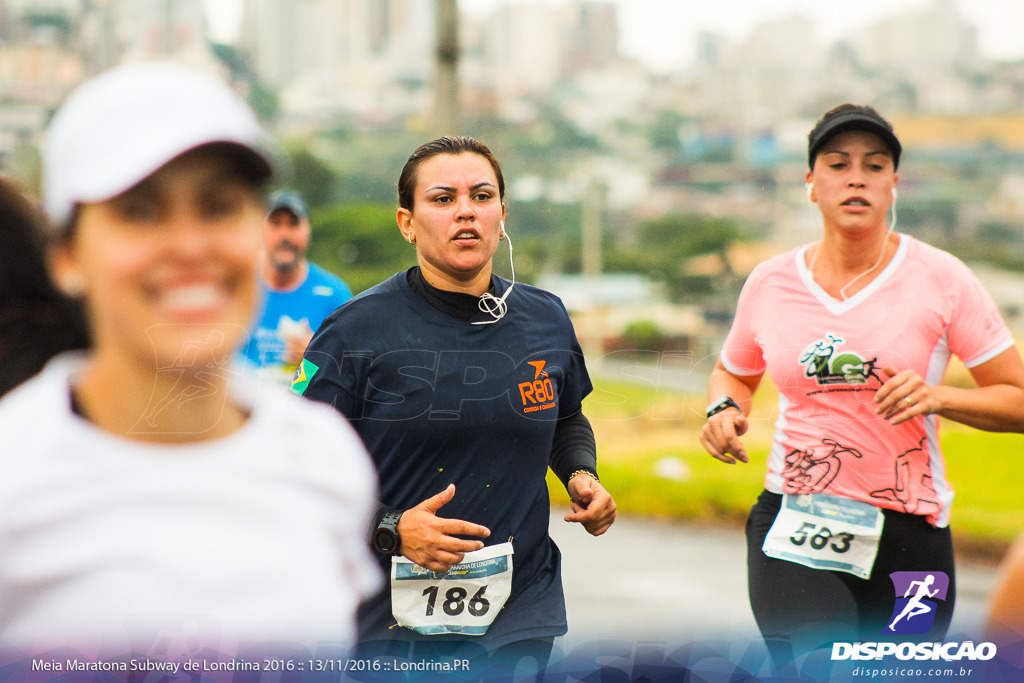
[263,100]
[360,243]
[664,133]
[684,236]
[678,238]
[644,335]
[314,178]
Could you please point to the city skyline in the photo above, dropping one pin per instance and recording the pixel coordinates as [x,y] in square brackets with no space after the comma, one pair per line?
[660,44]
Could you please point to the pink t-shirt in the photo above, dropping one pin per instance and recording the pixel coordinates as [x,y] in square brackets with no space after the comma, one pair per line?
[825,356]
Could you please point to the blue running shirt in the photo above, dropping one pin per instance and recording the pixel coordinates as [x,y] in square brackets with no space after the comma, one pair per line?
[306,305]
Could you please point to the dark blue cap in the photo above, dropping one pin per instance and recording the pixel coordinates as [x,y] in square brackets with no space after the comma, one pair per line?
[853,120]
[286,199]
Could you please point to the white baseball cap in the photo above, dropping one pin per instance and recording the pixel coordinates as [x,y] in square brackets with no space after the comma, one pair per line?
[118,128]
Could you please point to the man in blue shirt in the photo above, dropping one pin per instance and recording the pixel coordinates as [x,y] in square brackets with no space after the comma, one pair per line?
[298,294]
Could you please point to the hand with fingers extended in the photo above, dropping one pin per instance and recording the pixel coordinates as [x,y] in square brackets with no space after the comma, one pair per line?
[905,396]
[720,436]
[429,540]
[592,505]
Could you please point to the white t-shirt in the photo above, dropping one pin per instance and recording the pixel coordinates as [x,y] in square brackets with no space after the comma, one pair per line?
[260,535]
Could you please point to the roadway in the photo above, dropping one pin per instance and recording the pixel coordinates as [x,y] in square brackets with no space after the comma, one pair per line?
[646,580]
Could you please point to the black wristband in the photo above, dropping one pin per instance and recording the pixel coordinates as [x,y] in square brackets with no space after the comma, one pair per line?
[721,404]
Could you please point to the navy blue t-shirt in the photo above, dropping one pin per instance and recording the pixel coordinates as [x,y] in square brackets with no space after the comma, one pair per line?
[442,401]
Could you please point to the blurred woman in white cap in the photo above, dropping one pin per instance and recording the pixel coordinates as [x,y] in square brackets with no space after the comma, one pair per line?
[144,492]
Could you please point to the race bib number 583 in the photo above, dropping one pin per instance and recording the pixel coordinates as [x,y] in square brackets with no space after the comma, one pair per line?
[464,600]
[826,532]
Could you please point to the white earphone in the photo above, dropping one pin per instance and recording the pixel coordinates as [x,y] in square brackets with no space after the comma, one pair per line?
[491,304]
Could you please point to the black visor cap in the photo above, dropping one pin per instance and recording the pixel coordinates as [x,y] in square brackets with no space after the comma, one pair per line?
[853,121]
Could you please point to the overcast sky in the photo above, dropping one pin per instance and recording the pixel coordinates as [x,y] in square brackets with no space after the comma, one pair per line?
[661,32]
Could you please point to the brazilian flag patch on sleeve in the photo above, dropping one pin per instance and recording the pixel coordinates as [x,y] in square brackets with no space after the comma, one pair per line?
[303,374]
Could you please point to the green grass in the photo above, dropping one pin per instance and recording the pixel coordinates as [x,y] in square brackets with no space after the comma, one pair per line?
[987,473]
[712,491]
[638,427]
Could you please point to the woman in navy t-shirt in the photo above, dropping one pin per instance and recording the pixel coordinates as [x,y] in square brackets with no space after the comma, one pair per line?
[465,390]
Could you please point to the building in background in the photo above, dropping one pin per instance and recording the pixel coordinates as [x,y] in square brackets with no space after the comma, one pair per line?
[149,30]
[519,50]
[47,47]
[934,39]
[39,64]
[340,57]
[723,136]
[590,37]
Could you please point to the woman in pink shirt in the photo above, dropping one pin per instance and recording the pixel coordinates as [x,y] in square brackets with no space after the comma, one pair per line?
[856,331]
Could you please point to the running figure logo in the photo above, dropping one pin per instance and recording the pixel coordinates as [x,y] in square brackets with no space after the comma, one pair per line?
[917,596]
[848,367]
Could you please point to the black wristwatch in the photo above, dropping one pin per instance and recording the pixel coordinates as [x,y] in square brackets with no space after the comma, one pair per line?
[721,404]
[385,537]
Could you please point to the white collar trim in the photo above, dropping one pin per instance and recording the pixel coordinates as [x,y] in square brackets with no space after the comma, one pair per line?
[840,307]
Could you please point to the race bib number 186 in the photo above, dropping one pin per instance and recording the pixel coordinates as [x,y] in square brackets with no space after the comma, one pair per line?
[464,600]
[826,532]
